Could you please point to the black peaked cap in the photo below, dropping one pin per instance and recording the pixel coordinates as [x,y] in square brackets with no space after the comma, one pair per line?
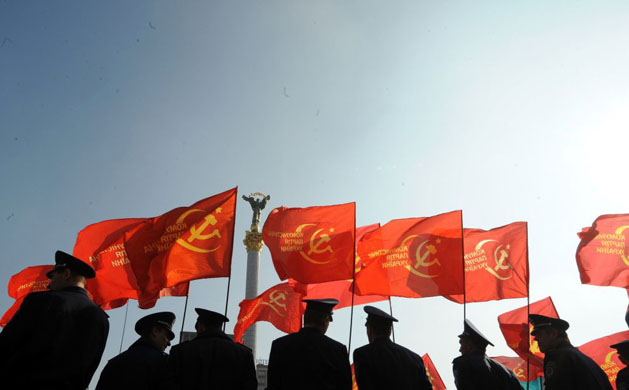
[65,260]
[321,305]
[375,314]
[163,318]
[539,321]
[210,315]
[469,330]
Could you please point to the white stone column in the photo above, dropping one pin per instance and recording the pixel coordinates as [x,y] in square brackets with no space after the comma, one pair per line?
[253,243]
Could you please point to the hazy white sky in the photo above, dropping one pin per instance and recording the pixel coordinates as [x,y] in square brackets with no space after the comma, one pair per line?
[411,108]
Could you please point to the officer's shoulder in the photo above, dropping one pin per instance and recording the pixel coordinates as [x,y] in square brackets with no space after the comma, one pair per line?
[467,360]
[243,347]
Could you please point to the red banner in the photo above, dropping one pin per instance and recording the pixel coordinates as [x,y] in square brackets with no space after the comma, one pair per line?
[496,264]
[280,305]
[312,245]
[599,350]
[184,244]
[518,366]
[433,375]
[414,257]
[30,279]
[354,384]
[517,331]
[603,254]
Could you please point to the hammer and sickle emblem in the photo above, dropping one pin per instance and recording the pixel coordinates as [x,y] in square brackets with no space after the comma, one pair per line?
[196,233]
[316,244]
[276,298]
[608,358]
[624,255]
[500,256]
[421,257]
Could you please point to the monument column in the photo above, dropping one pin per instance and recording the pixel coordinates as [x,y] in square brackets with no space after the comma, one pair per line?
[253,243]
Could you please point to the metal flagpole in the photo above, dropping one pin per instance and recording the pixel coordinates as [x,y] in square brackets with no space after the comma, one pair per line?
[528,308]
[229,278]
[125,325]
[463,258]
[183,321]
[351,316]
[391,312]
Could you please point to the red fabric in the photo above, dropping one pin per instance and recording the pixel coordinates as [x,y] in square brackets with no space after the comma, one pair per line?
[280,305]
[605,356]
[414,257]
[518,366]
[30,279]
[517,330]
[433,375]
[354,384]
[102,244]
[603,254]
[184,244]
[313,244]
[496,264]
[341,289]
[180,290]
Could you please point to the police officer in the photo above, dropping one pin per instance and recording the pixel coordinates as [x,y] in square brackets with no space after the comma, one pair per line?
[212,360]
[565,367]
[382,364]
[622,379]
[474,370]
[144,364]
[308,359]
[56,338]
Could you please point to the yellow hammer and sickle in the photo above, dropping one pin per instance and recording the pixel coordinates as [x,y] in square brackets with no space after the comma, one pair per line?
[534,346]
[619,231]
[500,261]
[196,233]
[274,299]
[421,259]
[608,358]
[314,246]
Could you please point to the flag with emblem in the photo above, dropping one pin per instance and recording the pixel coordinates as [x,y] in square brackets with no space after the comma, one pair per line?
[516,329]
[184,244]
[280,305]
[30,279]
[496,263]
[518,366]
[354,384]
[413,257]
[313,244]
[603,253]
[433,375]
[341,289]
[605,356]
[102,244]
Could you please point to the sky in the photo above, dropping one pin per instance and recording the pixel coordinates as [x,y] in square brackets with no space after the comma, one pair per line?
[507,111]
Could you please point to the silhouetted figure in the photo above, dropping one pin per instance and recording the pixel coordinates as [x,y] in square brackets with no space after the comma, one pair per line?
[622,378]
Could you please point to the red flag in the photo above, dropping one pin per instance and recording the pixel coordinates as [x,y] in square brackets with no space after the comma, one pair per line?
[280,305]
[433,375]
[414,257]
[496,264]
[602,254]
[341,289]
[102,244]
[30,279]
[313,244]
[518,366]
[599,350]
[184,244]
[354,384]
[517,331]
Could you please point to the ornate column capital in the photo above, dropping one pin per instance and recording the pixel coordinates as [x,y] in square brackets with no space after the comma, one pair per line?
[253,240]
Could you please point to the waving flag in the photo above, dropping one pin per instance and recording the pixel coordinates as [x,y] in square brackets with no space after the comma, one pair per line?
[184,244]
[496,263]
[313,244]
[280,305]
[433,374]
[30,279]
[516,329]
[599,350]
[414,257]
[603,253]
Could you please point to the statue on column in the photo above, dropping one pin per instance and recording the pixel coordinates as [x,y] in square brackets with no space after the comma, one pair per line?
[257,205]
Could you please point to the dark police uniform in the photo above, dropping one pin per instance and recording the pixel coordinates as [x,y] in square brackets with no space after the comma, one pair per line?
[55,340]
[308,360]
[622,378]
[476,371]
[144,365]
[212,361]
[382,364]
[565,367]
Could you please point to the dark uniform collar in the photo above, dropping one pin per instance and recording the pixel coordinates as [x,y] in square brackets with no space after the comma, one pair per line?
[75,289]
[212,333]
[309,329]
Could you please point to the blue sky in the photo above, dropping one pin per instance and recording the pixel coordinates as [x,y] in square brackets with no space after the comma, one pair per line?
[506,111]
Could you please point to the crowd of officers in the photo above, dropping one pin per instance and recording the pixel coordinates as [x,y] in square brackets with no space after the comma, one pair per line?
[57,338]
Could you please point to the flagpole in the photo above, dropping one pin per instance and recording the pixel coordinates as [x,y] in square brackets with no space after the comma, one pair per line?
[391,312]
[125,325]
[464,286]
[528,309]
[351,316]
[229,278]
[183,321]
